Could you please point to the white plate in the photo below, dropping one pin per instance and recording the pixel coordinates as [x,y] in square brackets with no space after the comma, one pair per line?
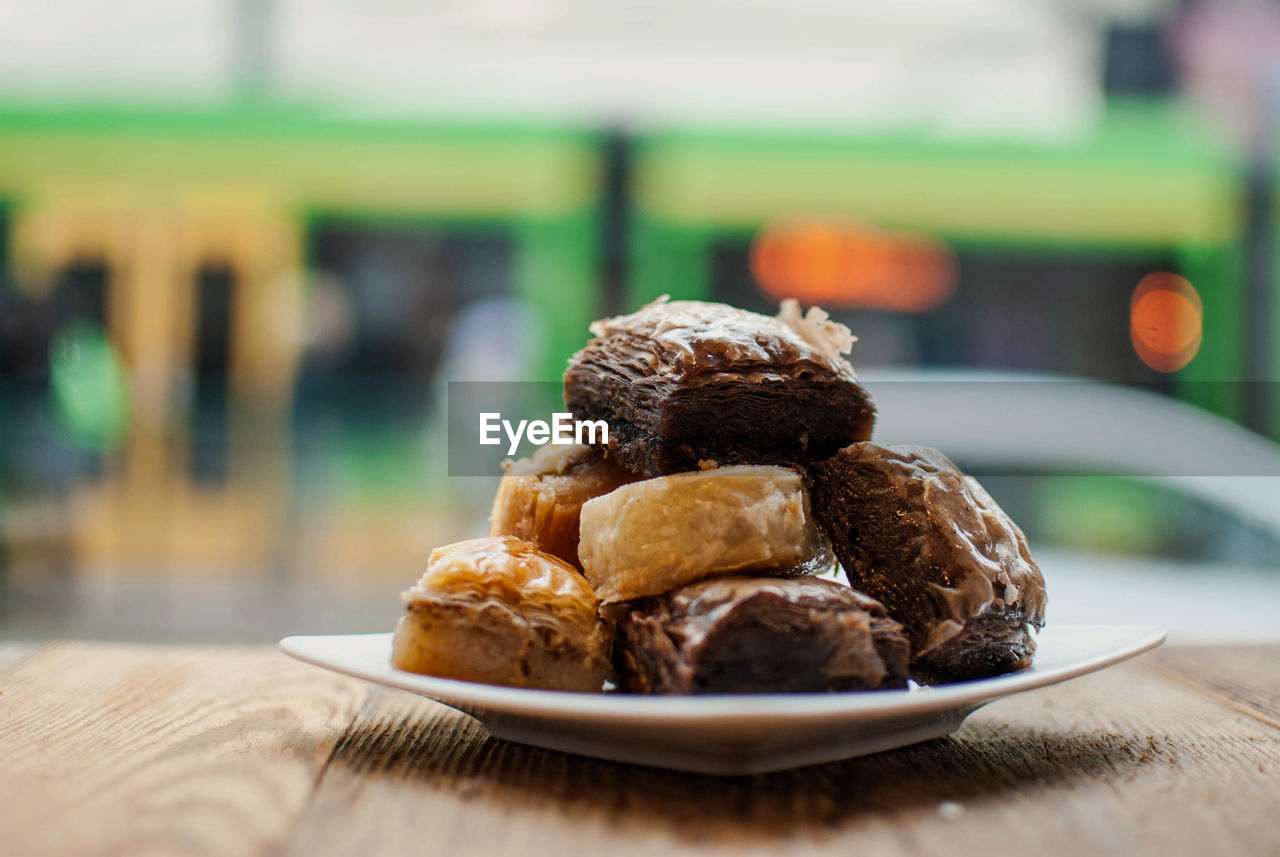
[741,734]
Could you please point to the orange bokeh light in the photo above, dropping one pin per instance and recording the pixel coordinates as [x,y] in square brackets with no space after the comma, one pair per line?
[923,274]
[810,254]
[839,262]
[1166,320]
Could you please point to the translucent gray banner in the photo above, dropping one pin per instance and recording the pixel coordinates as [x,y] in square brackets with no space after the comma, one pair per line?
[1034,426]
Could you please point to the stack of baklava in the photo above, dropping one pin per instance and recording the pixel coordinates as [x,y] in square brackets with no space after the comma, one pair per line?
[737,533]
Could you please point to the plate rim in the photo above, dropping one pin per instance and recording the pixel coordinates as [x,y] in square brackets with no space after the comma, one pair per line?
[721,708]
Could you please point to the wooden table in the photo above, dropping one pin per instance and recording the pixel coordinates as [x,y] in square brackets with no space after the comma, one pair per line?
[134,750]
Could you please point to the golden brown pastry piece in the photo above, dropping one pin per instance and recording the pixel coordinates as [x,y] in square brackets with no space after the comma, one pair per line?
[500,611]
[651,536]
[540,498]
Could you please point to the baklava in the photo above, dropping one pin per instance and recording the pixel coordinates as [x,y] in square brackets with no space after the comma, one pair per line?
[651,536]
[500,611]
[929,542]
[540,498]
[685,382]
[743,634]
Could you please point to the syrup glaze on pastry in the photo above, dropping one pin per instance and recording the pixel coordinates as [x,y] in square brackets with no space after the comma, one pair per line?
[499,611]
[758,635]
[540,498]
[680,382]
[651,536]
[914,532]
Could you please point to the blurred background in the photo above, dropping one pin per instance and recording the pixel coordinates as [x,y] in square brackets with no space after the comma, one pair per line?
[245,244]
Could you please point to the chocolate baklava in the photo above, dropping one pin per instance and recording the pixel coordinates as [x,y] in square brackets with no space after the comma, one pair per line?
[929,542]
[683,382]
[743,634]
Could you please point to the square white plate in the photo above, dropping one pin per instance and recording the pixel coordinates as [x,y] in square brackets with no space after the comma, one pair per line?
[739,734]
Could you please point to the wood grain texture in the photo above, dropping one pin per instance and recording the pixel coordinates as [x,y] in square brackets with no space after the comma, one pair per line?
[131,750]
[12,653]
[108,749]
[1124,762]
[1246,678]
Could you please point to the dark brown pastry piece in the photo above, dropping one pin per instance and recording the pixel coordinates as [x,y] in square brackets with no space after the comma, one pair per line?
[684,382]
[540,498]
[916,533]
[758,635]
